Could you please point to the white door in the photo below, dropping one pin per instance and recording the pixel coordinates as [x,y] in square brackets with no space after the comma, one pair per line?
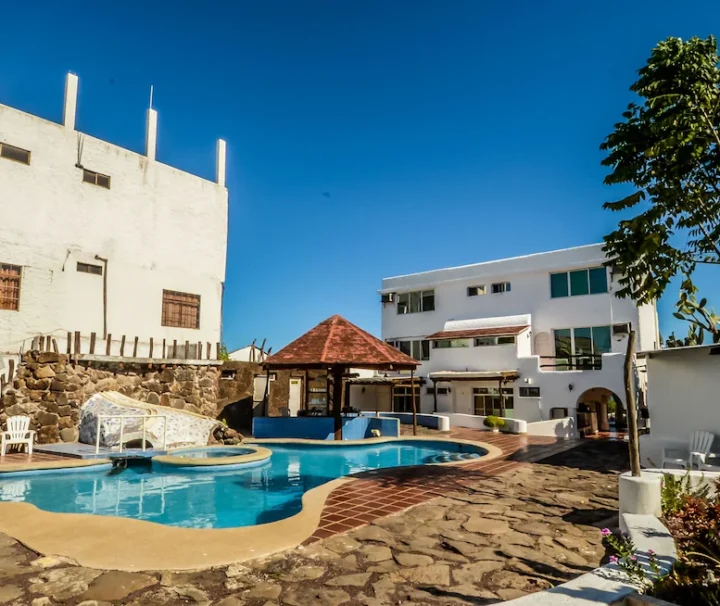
[295,395]
[463,398]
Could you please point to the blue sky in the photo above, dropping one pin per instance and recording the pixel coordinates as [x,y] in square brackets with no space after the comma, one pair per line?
[365,138]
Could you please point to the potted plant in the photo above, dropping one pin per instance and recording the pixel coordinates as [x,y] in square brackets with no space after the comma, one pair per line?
[494,423]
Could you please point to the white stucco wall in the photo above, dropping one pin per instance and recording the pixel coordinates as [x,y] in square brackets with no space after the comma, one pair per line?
[530,294]
[159,227]
[683,396]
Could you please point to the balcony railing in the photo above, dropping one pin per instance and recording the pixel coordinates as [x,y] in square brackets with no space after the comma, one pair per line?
[562,363]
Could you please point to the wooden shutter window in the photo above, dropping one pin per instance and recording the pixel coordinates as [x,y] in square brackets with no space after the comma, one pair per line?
[10,276]
[180,309]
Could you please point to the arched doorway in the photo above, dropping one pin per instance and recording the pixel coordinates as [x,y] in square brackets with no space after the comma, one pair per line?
[600,410]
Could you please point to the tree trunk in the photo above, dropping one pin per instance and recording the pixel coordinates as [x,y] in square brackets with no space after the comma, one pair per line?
[630,405]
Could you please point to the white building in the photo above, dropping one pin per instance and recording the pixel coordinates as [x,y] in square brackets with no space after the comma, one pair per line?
[546,329]
[683,384]
[99,239]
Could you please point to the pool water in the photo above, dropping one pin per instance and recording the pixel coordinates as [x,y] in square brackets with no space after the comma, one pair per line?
[212,453]
[220,498]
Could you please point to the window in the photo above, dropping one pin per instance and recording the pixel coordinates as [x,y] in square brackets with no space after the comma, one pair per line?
[90,269]
[483,341]
[486,401]
[90,176]
[591,281]
[420,350]
[500,287]
[10,276]
[402,398]
[585,343]
[180,309]
[529,392]
[450,343]
[414,302]
[14,153]
[475,291]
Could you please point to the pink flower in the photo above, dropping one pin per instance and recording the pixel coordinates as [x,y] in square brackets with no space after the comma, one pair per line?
[613,559]
[606,532]
[633,558]
[651,552]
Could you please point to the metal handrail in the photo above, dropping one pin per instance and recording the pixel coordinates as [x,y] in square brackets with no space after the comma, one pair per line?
[122,418]
[575,362]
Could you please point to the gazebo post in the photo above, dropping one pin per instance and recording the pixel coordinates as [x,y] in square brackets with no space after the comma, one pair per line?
[502,400]
[266,404]
[412,399]
[434,395]
[337,373]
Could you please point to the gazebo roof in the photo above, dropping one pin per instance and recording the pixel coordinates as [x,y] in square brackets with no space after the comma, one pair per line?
[337,342]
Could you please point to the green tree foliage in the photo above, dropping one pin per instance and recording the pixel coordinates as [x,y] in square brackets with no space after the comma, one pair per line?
[668,148]
[700,318]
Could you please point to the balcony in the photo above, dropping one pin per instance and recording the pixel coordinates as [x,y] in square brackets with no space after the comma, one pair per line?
[565,363]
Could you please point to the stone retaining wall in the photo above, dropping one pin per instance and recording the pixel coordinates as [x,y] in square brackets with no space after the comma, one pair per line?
[50,388]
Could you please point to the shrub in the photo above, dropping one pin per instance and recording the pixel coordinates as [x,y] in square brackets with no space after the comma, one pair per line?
[494,422]
[676,489]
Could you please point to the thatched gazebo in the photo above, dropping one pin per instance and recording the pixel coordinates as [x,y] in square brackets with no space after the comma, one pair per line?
[336,346]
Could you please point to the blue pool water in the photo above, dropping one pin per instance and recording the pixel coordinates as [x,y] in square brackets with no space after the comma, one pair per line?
[217,498]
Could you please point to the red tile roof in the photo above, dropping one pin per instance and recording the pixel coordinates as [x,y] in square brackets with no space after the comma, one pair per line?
[498,331]
[337,342]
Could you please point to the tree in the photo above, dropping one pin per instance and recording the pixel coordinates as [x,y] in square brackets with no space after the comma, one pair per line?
[668,148]
[700,318]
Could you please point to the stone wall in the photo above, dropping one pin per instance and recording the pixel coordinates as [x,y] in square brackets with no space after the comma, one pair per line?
[50,388]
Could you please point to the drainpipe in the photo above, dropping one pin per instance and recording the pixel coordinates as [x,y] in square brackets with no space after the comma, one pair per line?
[105,296]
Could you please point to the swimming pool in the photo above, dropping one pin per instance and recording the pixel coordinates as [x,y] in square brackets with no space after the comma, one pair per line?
[219,498]
[217,452]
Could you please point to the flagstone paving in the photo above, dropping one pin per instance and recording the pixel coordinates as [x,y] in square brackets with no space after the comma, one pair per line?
[485,540]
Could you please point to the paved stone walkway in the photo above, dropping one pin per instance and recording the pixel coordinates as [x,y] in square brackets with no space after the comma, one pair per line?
[487,539]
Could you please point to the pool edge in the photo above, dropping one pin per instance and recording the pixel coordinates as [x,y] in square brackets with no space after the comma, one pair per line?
[84,538]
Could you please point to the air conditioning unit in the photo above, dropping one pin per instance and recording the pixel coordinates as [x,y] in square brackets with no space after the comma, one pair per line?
[388,297]
[620,329]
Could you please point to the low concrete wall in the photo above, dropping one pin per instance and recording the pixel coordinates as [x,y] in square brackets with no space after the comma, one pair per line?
[476,422]
[323,428]
[609,584]
[431,421]
[563,429]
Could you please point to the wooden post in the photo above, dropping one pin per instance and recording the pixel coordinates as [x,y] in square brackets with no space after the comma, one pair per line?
[93,336]
[412,399]
[135,344]
[11,369]
[252,351]
[217,351]
[108,344]
[502,400]
[199,350]
[434,395]
[122,346]
[68,349]
[337,374]
[307,391]
[151,348]
[174,348]
[187,349]
[209,350]
[35,343]
[266,395]
[54,345]
[164,353]
[77,342]
[41,345]
[631,409]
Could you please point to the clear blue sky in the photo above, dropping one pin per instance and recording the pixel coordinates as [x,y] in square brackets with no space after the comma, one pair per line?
[365,138]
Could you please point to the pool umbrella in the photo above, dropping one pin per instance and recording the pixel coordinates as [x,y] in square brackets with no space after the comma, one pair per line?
[337,345]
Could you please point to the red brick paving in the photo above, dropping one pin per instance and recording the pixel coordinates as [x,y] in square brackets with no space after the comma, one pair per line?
[15,458]
[376,494]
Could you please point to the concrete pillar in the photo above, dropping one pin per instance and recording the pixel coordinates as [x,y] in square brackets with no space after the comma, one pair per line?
[220,163]
[151,134]
[641,495]
[70,102]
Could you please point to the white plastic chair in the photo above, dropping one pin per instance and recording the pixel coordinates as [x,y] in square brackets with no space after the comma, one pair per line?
[18,432]
[699,446]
